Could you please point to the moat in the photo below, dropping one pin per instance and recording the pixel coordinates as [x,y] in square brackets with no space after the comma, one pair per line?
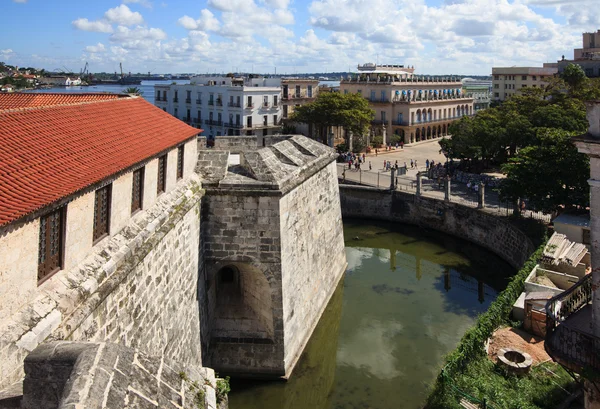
[406,300]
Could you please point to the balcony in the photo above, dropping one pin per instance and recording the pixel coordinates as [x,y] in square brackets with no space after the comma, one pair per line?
[211,102]
[379,100]
[265,105]
[219,103]
[199,101]
[213,122]
[233,125]
[301,95]
[249,106]
[234,105]
[379,122]
[175,99]
[569,337]
[401,123]
[197,121]
[188,100]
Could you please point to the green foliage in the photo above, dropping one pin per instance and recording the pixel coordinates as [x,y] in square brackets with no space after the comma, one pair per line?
[133,90]
[288,129]
[334,109]
[550,175]
[377,140]
[467,364]
[223,388]
[574,76]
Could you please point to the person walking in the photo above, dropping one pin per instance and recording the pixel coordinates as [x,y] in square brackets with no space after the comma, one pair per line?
[369,165]
[416,166]
[401,144]
[426,164]
[411,164]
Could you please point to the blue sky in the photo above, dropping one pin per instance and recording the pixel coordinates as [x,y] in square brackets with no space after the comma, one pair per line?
[436,36]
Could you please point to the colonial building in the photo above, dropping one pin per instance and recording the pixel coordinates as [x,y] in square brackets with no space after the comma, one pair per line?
[413,108]
[588,57]
[508,81]
[225,105]
[297,92]
[573,324]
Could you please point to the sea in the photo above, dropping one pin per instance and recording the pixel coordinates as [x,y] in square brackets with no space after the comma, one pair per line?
[146,87]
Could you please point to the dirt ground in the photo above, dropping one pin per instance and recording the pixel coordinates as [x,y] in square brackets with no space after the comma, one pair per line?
[518,339]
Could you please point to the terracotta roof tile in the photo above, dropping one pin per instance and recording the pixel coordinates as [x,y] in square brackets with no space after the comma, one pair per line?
[33,100]
[50,152]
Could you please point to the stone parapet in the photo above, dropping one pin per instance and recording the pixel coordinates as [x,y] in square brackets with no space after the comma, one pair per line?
[70,375]
[486,230]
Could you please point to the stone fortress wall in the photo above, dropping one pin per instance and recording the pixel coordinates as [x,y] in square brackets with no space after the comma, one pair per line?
[488,231]
[274,251]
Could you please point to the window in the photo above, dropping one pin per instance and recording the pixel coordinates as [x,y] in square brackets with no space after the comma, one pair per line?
[298,91]
[137,190]
[162,175]
[175,99]
[345,91]
[274,119]
[102,212]
[175,112]
[285,110]
[249,122]
[265,120]
[180,160]
[382,95]
[265,101]
[309,91]
[496,77]
[382,116]
[534,78]
[237,119]
[496,86]
[496,94]
[164,95]
[249,102]
[158,95]
[51,246]
[524,77]
[188,96]
[274,100]
[372,95]
[359,91]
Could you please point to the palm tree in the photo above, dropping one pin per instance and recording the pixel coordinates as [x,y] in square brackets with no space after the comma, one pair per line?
[133,91]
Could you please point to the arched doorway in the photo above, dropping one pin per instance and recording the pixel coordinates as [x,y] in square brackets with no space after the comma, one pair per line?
[243,303]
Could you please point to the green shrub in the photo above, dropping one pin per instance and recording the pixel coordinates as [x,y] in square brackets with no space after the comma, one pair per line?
[471,346]
[223,388]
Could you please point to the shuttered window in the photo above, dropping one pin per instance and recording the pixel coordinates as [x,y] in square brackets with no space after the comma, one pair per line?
[102,212]
[180,162]
[162,174]
[51,246]
[137,190]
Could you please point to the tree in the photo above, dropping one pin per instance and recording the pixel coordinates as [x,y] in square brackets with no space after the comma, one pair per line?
[133,91]
[574,75]
[334,109]
[549,175]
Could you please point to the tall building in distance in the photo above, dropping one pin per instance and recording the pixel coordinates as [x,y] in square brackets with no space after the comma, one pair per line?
[413,108]
[225,105]
[588,57]
[508,81]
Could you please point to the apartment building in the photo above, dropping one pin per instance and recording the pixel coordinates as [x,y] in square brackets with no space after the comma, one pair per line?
[508,81]
[587,57]
[414,108]
[225,105]
[480,91]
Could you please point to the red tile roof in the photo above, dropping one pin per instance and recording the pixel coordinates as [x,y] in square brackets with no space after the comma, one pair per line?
[31,100]
[51,152]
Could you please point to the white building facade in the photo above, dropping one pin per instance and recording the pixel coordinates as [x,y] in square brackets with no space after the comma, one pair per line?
[225,105]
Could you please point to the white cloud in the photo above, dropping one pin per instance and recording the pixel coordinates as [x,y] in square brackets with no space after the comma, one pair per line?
[124,16]
[99,26]
[6,51]
[20,1]
[98,48]
[206,22]
[123,34]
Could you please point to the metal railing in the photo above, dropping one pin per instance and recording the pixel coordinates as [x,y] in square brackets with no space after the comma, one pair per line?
[213,122]
[199,101]
[566,342]
[188,100]
[233,125]
[234,104]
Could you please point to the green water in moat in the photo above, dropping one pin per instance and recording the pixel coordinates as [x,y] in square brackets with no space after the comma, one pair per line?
[407,298]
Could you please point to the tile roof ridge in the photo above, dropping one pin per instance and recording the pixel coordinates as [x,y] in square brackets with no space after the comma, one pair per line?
[118,97]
